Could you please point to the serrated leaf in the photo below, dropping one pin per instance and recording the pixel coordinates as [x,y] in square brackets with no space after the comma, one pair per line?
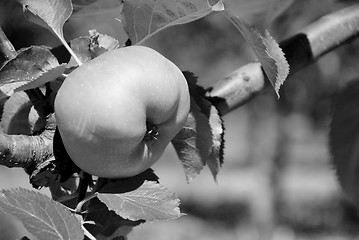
[52,14]
[14,119]
[267,50]
[144,18]
[344,138]
[101,43]
[150,202]
[259,13]
[80,4]
[83,8]
[193,142]
[215,159]
[34,64]
[41,216]
[45,77]
[200,141]
[89,47]
[106,222]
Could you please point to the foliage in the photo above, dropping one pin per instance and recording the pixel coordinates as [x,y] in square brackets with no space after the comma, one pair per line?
[84,205]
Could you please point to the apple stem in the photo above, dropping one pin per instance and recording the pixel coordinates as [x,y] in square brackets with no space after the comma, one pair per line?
[152,132]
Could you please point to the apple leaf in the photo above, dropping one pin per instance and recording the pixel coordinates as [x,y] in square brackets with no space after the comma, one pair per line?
[14,119]
[144,18]
[31,68]
[344,138]
[41,216]
[150,202]
[82,8]
[80,4]
[193,142]
[200,141]
[89,47]
[215,159]
[51,14]
[267,50]
[106,222]
[259,13]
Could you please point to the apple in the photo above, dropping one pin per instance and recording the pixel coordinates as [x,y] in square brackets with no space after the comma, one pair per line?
[117,113]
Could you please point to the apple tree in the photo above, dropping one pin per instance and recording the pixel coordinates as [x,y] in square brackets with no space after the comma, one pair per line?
[87,119]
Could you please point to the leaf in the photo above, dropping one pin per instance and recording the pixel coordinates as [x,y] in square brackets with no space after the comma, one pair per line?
[101,43]
[215,159]
[142,19]
[150,202]
[31,68]
[80,4]
[106,222]
[89,47]
[259,13]
[83,8]
[200,141]
[41,216]
[45,77]
[193,142]
[54,13]
[344,138]
[267,50]
[14,119]
[51,13]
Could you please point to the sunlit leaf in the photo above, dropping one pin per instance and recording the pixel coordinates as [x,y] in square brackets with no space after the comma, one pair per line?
[144,18]
[267,50]
[150,202]
[52,14]
[41,216]
[259,13]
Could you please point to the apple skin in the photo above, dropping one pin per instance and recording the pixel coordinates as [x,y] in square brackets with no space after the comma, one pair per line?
[104,107]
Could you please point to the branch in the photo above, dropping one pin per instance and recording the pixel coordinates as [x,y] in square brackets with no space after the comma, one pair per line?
[27,151]
[301,50]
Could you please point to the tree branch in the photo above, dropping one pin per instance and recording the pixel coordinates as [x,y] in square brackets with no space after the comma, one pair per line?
[301,50]
[231,92]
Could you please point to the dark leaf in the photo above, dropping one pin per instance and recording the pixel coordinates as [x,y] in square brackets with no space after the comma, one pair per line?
[200,141]
[106,222]
[344,138]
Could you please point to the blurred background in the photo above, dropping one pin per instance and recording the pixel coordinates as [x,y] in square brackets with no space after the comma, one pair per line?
[277,181]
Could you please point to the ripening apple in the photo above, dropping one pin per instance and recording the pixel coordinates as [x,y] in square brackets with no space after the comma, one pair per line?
[117,113]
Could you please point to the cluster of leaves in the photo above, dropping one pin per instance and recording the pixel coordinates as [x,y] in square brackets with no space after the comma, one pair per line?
[112,207]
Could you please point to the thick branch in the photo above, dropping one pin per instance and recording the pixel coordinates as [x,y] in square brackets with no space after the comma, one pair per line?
[301,50]
[25,151]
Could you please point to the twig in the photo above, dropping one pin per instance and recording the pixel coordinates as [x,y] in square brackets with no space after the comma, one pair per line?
[301,50]
[231,92]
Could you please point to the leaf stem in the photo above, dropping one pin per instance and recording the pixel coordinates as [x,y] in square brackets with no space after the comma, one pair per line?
[73,54]
[302,49]
[6,46]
